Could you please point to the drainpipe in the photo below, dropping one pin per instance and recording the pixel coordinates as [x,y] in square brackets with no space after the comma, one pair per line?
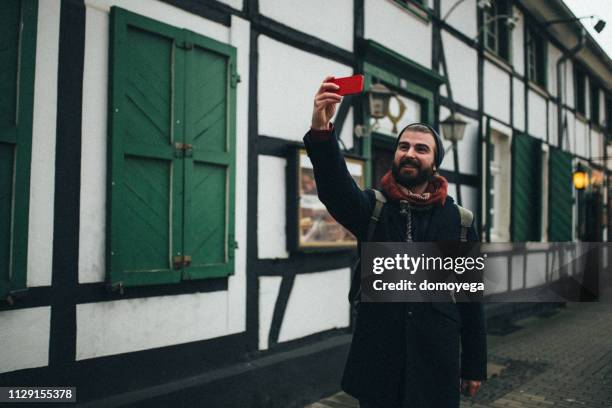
[571,53]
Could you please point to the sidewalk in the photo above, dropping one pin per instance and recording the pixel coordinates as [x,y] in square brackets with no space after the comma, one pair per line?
[560,360]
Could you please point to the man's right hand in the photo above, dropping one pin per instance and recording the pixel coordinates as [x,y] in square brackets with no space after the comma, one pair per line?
[325,104]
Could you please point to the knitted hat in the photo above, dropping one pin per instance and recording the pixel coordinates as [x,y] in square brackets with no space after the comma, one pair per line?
[439,146]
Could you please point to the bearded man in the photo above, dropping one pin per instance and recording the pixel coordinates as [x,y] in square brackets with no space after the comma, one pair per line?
[403,355]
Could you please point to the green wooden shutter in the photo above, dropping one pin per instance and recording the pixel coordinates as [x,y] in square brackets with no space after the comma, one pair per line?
[172,148]
[146,175]
[210,169]
[17,60]
[560,196]
[526,188]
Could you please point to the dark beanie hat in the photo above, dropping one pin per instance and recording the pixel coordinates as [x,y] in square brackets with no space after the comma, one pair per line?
[439,146]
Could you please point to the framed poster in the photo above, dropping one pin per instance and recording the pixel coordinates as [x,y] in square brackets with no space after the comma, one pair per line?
[311,226]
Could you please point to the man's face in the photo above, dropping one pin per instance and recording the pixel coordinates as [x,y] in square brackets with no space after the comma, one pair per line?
[414,158]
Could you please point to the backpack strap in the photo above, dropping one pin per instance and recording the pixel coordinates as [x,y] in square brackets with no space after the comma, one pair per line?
[466,222]
[355,289]
[380,201]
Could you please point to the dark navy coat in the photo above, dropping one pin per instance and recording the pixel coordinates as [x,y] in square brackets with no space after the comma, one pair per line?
[402,354]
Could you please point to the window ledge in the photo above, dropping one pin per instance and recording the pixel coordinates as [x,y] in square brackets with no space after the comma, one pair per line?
[497,60]
[414,8]
[539,89]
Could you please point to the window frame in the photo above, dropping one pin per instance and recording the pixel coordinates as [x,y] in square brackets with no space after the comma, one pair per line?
[536,52]
[579,91]
[20,136]
[495,34]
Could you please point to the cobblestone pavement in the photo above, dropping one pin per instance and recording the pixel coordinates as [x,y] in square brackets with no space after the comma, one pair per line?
[562,359]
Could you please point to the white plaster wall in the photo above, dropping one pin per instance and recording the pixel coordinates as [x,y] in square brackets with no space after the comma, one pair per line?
[582,138]
[271,208]
[568,83]
[570,132]
[288,79]
[389,24]
[496,279]
[122,326]
[467,148]
[269,287]
[331,21]
[553,56]
[469,200]
[516,265]
[518,106]
[93,170]
[317,303]
[463,18]
[602,110]
[462,63]
[237,4]
[537,115]
[161,11]
[536,270]
[42,170]
[452,190]
[24,336]
[587,97]
[496,92]
[596,152]
[552,124]
[518,56]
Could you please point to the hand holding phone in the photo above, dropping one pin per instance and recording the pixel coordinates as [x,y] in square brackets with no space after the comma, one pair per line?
[349,85]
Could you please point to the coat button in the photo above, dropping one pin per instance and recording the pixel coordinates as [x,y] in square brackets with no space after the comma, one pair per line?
[409,313]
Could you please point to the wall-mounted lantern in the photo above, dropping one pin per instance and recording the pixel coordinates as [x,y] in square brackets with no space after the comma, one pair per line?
[378,107]
[580,179]
[453,127]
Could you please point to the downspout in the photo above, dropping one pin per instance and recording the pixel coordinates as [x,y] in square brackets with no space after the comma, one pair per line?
[571,53]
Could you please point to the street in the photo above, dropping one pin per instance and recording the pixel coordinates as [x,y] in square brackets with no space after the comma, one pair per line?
[560,359]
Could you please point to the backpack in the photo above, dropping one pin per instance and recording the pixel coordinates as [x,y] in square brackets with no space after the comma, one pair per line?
[466,217]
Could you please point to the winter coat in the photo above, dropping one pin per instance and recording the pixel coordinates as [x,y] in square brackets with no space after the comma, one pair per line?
[402,354]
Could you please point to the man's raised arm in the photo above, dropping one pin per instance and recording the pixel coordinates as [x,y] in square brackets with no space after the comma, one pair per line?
[344,200]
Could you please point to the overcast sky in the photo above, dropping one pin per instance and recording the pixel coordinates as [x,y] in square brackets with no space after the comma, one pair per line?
[600,8]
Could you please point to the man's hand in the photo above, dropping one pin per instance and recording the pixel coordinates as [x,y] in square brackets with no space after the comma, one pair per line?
[469,387]
[325,104]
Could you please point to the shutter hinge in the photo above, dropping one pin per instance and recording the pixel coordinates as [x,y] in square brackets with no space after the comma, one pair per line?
[181,261]
[116,287]
[235,79]
[183,150]
[185,45]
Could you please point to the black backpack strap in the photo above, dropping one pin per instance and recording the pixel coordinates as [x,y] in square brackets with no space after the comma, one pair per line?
[355,290]
[380,201]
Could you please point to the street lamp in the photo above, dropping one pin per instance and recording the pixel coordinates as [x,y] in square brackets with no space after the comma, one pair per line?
[378,107]
[453,127]
[580,178]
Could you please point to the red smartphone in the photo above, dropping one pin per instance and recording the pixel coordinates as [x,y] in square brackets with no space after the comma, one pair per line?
[349,85]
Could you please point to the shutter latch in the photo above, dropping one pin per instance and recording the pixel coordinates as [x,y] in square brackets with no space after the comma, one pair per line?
[183,150]
[181,261]
[235,79]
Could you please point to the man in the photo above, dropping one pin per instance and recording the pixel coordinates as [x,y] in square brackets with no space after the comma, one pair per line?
[402,354]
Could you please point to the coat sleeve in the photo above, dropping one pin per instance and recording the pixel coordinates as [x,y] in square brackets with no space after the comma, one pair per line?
[345,201]
[473,334]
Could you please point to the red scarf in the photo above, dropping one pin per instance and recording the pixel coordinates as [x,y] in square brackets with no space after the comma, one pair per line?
[434,194]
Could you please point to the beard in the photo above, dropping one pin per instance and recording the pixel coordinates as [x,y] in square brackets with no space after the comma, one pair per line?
[422,174]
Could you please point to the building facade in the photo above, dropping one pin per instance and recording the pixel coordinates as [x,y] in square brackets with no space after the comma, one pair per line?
[151,212]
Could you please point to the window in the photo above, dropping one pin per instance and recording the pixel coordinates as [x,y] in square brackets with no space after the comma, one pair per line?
[17,59]
[417,7]
[499,152]
[172,154]
[496,31]
[580,82]
[594,104]
[536,57]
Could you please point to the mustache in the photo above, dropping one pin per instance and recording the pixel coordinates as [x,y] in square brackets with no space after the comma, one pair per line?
[411,162]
